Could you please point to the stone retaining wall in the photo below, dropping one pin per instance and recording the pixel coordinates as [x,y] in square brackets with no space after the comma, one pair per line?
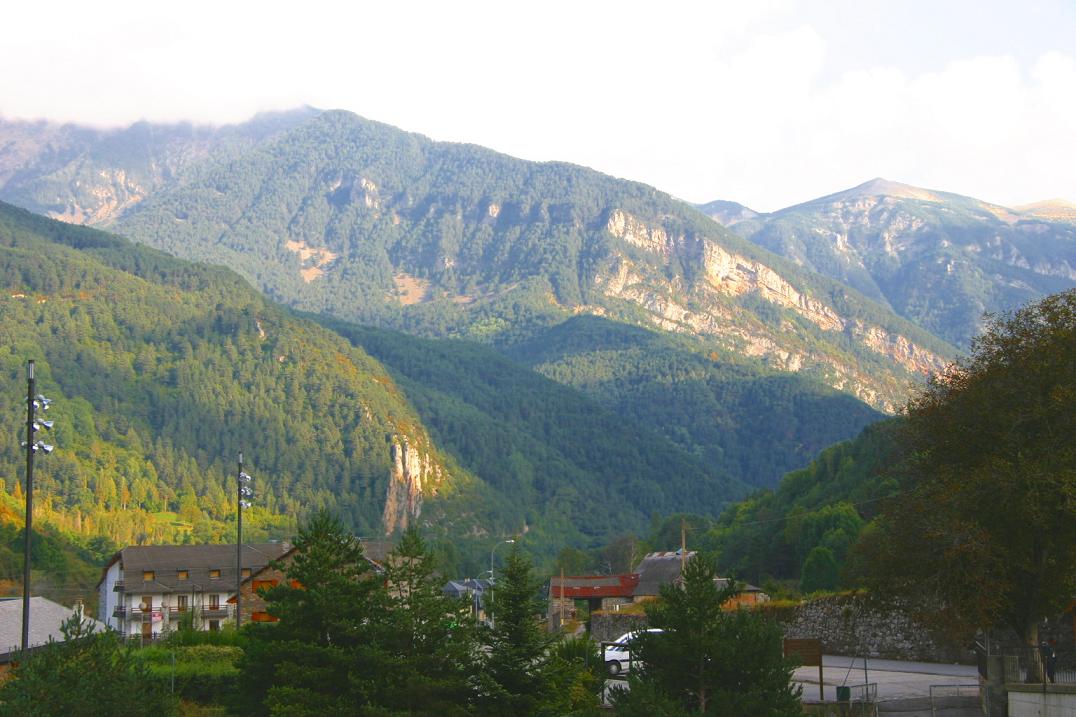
[846,625]
[849,625]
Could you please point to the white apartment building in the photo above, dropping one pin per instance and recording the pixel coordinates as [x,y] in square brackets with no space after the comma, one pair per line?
[146,590]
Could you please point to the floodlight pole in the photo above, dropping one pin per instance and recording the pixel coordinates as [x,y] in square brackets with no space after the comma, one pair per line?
[492,617]
[239,542]
[28,528]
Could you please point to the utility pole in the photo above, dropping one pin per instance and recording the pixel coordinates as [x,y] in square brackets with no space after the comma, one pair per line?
[29,505]
[560,603]
[32,426]
[683,547]
[239,542]
[242,493]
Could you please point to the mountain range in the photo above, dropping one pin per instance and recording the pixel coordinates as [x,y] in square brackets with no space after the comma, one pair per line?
[491,346]
[338,215]
[162,370]
[939,259]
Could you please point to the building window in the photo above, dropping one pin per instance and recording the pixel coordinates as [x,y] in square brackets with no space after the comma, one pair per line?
[182,575]
[246,572]
[214,625]
[214,573]
[181,603]
[147,575]
[214,602]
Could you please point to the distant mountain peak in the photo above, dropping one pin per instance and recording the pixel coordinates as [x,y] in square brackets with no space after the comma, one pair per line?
[879,187]
[727,213]
[1052,209]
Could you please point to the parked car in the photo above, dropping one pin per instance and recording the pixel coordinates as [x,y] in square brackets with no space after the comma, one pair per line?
[618,656]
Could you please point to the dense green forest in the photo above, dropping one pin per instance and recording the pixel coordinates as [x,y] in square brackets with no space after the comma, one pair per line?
[750,422]
[822,508]
[785,538]
[553,449]
[161,372]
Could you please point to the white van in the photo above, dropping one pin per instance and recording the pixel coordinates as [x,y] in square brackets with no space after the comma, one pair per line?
[618,656]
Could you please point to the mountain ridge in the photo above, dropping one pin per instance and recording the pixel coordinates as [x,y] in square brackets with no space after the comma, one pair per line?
[359,220]
[939,259]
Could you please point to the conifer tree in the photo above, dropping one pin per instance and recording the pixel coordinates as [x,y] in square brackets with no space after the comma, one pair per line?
[325,654]
[707,660]
[432,640]
[522,674]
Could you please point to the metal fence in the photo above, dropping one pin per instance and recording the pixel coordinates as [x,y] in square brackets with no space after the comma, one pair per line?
[946,700]
[1039,665]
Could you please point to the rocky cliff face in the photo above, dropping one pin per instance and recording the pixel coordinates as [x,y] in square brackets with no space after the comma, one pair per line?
[415,476]
[702,307]
[92,176]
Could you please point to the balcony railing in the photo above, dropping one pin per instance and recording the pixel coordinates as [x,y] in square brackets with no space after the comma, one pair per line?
[173,612]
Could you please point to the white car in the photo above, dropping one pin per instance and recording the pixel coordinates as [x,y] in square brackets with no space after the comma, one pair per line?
[617,656]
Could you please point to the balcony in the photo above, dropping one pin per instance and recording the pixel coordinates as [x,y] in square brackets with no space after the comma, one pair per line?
[139,612]
[215,613]
[120,612]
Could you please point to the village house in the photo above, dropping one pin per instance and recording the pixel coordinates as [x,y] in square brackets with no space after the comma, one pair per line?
[253,607]
[46,620]
[614,592]
[471,589]
[146,590]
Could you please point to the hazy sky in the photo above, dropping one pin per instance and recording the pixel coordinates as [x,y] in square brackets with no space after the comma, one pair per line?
[765,102]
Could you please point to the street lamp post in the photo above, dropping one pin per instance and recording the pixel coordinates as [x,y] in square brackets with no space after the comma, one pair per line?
[32,426]
[492,617]
[242,492]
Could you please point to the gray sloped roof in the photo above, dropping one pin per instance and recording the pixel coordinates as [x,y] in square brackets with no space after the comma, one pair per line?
[165,561]
[46,618]
[657,569]
[460,588]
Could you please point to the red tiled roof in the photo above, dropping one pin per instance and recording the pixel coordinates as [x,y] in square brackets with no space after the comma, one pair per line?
[594,586]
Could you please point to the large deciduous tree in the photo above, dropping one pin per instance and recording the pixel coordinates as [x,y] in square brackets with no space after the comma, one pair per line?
[983,532]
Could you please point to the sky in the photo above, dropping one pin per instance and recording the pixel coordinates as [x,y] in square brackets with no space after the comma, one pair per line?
[767,102]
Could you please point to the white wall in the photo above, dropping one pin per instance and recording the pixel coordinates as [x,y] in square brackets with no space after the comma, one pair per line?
[1042,704]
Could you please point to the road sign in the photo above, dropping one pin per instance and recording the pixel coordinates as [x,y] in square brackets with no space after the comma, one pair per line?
[809,652]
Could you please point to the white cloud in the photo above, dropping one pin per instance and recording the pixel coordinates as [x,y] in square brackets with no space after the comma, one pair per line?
[703,99]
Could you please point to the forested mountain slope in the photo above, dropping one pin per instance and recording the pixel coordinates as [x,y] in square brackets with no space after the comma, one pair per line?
[823,506]
[162,370]
[365,222]
[575,466]
[90,175]
[755,424]
[939,259]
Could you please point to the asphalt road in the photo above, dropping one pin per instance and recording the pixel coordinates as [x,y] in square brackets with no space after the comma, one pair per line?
[896,679]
